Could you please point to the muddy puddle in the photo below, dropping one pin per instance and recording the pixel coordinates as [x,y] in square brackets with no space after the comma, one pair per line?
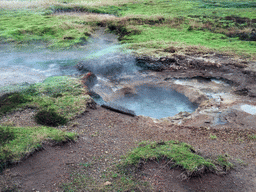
[119,77]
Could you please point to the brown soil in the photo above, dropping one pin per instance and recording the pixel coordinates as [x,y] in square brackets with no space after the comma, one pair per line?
[107,134]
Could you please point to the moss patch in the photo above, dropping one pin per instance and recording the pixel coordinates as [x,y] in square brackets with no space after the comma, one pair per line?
[62,96]
[10,102]
[178,153]
[28,27]
[26,140]
[226,26]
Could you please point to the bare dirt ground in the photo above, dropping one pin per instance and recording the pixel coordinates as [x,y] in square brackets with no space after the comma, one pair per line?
[105,135]
[108,135]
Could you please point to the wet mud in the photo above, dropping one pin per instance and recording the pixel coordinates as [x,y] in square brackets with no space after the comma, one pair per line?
[223,88]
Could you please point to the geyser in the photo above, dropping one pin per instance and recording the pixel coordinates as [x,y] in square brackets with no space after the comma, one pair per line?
[114,69]
[156,102]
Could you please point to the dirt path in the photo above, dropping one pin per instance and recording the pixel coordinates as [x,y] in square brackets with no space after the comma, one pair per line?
[106,135]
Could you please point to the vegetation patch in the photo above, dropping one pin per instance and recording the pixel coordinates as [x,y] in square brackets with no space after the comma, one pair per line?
[224,27]
[227,4]
[113,10]
[90,176]
[222,161]
[252,137]
[213,137]
[58,99]
[12,101]
[147,26]
[179,155]
[30,27]
[124,175]
[19,142]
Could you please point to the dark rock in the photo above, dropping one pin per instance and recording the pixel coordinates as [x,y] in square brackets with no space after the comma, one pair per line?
[91,104]
[89,79]
[107,65]
[252,36]
[252,93]
[170,50]
[118,108]
[150,64]
[241,91]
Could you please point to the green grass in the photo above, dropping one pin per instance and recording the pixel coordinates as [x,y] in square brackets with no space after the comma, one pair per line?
[26,140]
[183,8]
[223,162]
[120,182]
[124,176]
[180,154]
[30,27]
[159,37]
[229,4]
[113,10]
[62,96]
[213,25]
[252,137]
[83,178]
[213,137]
[146,26]
[56,31]
[12,101]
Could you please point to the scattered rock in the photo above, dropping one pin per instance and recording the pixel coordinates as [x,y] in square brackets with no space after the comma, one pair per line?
[89,79]
[148,63]
[91,104]
[170,50]
[118,108]
[241,91]
[107,183]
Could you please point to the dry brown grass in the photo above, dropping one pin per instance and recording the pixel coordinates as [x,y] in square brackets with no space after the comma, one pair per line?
[33,4]
[88,17]
[152,48]
[16,4]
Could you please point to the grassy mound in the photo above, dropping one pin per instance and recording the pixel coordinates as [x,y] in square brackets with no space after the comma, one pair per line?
[19,142]
[9,102]
[28,26]
[58,100]
[179,154]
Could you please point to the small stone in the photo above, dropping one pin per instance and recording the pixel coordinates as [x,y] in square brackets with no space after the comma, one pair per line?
[107,183]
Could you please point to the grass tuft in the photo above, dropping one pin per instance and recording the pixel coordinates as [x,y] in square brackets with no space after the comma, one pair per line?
[180,154]
[223,162]
[252,137]
[6,135]
[23,141]
[11,101]
[58,99]
[213,137]
[113,10]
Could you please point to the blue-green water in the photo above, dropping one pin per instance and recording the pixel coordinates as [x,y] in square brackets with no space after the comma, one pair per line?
[156,102]
[22,66]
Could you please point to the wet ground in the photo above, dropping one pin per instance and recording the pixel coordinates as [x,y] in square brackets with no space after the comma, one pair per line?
[106,135]
[224,90]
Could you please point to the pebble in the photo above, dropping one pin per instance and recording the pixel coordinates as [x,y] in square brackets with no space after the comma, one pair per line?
[107,183]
